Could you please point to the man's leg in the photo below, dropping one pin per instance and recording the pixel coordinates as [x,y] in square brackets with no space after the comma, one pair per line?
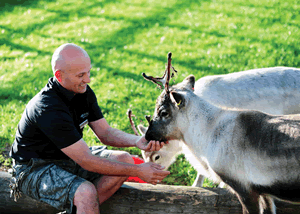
[46,182]
[85,199]
[107,185]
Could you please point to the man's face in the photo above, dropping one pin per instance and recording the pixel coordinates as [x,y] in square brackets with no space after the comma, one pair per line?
[77,76]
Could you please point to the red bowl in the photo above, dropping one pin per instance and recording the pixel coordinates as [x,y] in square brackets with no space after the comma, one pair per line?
[137,160]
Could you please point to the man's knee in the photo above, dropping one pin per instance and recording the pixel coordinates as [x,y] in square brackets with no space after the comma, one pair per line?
[122,156]
[86,195]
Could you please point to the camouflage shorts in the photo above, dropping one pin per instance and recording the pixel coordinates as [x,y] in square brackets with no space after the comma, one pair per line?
[55,182]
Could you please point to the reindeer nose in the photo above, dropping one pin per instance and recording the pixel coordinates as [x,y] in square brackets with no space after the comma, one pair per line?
[150,135]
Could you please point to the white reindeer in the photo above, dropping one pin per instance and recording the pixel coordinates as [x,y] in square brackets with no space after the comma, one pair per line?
[255,154]
[167,156]
[271,90]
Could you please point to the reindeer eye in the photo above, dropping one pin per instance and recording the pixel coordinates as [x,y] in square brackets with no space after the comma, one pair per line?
[164,114]
[156,157]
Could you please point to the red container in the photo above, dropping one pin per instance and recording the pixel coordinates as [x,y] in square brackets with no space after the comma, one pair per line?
[137,160]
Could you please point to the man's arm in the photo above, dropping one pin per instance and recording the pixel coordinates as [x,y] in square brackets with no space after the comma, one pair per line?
[117,138]
[82,155]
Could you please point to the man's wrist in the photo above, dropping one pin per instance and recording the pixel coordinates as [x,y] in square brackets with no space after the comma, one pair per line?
[138,141]
[136,170]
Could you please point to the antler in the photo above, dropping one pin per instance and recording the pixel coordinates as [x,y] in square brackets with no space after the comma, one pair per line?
[165,79]
[129,114]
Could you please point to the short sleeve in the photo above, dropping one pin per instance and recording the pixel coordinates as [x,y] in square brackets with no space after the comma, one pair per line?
[95,112]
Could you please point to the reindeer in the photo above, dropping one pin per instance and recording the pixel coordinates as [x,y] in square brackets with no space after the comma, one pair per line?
[254,153]
[271,90]
[167,155]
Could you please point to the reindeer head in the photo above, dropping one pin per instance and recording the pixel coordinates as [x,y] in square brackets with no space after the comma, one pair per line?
[170,115]
[165,156]
[171,107]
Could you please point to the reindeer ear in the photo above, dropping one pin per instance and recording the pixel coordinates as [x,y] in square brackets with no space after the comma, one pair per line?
[142,129]
[144,155]
[189,82]
[178,99]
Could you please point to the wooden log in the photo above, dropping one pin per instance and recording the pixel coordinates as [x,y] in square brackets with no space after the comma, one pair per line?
[144,199]
[161,199]
[24,205]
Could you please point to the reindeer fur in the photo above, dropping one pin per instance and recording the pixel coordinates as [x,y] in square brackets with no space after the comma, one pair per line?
[272,90]
[254,153]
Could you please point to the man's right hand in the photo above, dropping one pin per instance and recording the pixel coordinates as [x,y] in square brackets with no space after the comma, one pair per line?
[152,173]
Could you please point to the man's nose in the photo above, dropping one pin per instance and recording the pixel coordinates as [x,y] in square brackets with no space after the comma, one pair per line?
[87,78]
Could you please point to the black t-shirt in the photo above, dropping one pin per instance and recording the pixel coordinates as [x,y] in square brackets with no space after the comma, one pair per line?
[52,120]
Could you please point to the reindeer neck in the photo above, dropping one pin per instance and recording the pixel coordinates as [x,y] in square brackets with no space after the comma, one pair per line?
[202,118]
[205,111]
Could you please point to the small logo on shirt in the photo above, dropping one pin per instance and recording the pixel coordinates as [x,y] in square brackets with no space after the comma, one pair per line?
[84,115]
[81,125]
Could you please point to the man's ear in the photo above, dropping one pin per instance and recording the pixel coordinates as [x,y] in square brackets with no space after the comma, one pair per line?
[178,99]
[58,75]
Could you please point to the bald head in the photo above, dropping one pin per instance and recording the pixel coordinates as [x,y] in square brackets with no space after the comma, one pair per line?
[67,57]
[71,67]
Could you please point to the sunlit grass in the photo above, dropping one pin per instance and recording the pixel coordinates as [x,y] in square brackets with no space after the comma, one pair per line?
[125,38]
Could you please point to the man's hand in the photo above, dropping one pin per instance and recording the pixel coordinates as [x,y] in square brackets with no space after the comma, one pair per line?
[151,146]
[152,173]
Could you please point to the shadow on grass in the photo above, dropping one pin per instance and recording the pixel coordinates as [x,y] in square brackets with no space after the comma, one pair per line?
[118,40]
[13,91]
[8,5]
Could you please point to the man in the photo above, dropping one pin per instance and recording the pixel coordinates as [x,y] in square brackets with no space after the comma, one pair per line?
[53,163]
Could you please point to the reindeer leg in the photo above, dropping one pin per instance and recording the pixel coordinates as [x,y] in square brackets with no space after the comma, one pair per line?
[249,199]
[251,202]
[267,205]
[198,181]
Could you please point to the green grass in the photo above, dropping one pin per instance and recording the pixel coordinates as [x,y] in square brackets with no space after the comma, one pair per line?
[127,37]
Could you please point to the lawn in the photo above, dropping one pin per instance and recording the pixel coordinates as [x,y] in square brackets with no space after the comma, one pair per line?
[127,37]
